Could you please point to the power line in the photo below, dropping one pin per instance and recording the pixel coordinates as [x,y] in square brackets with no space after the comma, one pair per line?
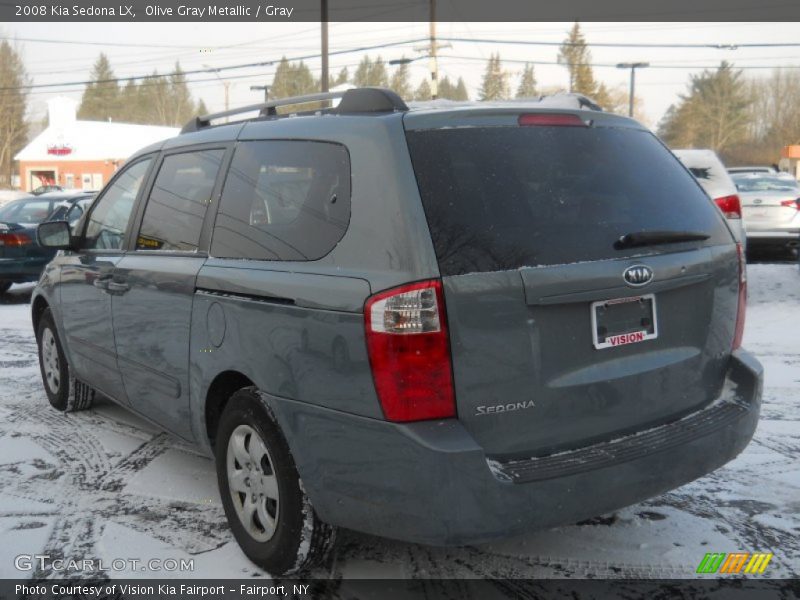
[208,70]
[722,46]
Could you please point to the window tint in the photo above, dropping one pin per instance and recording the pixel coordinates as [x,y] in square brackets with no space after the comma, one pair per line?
[506,197]
[283,200]
[110,216]
[177,205]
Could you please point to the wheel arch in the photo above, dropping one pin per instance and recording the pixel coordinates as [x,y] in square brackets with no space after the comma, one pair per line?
[224,385]
[38,306]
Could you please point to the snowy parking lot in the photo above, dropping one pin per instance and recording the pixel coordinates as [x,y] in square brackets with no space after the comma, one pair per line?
[103,484]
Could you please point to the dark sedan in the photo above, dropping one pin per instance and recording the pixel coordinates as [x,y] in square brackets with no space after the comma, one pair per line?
[21,257]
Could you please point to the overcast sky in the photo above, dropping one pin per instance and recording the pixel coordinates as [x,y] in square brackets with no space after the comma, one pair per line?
[159,45]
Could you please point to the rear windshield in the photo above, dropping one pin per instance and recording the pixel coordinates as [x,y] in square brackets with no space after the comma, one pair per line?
[500,198]
[764,183]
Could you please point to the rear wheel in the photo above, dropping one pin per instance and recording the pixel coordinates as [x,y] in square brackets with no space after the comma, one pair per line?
[4,286]
[268,511]
[63,391]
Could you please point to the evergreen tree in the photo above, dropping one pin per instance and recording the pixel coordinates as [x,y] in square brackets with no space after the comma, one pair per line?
[201,108]
[527,83]
[713,113]
[182,106]
[101,98]
[461,91]
[371,74]
[495,81]
[575,55]
[423,91]
[292,79]
[400,82]
[342,78]
[13,100]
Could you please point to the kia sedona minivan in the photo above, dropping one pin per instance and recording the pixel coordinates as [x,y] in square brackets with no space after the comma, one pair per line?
[444,325]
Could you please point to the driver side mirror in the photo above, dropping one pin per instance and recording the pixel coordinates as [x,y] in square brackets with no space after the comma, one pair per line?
[54,234]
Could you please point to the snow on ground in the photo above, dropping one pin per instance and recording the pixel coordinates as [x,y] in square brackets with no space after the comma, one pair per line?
[105,484]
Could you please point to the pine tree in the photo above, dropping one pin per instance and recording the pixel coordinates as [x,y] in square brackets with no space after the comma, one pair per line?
[423,91]
[13,100]
[342,78]
[400,82]
[713,113]
[371,74]
[527,83]
[100,101]
[181,103]
[292,79]
[575,55]
[495,81]
[201,108]
[461,91]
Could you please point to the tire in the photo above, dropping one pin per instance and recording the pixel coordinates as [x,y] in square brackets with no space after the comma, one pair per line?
[4,286]
[280,531]
[63,391]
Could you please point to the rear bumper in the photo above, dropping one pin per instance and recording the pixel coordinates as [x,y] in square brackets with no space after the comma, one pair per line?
[20,270]
[431,483]
[778,237]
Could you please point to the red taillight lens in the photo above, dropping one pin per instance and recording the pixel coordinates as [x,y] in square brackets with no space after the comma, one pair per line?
[409,352]
[730,206]
[740,313]
[14,239]
[795,204]
[552,120]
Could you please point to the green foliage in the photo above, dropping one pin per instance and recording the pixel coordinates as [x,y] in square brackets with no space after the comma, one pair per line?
[527,83]
[401,82]
[341,78]
[423,91]
[495,84]
[713,113]
[371,73]
[13,127]
[453,91]
[101,98]
[154,100]
[575,55]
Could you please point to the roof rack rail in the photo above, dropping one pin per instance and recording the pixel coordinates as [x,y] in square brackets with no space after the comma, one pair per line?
[353,101]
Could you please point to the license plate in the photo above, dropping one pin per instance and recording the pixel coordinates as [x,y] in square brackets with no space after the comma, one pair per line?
[624,321]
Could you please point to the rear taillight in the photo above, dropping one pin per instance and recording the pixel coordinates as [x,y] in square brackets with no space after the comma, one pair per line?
[740,313]
[409,352]
[795,204]
[14,239]
[730,206]
[552,120]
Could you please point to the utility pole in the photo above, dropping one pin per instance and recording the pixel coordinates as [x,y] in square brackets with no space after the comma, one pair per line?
[324,25]
[434,62]
[632,67]
[255,88]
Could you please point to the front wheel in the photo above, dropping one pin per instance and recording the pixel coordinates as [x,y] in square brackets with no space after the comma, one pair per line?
[268,511]
[63,391]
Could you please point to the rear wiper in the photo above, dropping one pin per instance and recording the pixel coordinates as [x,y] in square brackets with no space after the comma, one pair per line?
[648,238]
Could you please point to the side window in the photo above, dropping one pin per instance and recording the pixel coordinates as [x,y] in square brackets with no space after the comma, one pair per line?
[177,205]
[111,214]
[283,200]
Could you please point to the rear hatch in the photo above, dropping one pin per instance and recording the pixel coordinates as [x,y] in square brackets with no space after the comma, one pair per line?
[769,203]
[552,348]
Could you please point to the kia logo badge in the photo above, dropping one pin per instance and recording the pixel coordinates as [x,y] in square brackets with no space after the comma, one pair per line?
[638,275]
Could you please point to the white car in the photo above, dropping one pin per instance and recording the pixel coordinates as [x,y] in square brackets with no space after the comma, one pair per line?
[710,173]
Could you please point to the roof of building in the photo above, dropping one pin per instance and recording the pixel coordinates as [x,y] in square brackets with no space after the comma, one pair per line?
[68,139]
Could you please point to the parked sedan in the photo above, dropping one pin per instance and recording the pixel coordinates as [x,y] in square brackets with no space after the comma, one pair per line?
[21,257]
[710,173]
[770,209]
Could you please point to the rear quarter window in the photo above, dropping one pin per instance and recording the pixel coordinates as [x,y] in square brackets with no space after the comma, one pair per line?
[499,198]
[283,200]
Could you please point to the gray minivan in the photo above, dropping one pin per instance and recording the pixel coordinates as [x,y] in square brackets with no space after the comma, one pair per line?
[442,325]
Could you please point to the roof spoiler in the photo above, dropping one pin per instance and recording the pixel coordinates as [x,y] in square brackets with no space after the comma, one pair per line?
[353,101]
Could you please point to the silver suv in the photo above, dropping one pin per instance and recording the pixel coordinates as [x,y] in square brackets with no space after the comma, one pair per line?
[444,325]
